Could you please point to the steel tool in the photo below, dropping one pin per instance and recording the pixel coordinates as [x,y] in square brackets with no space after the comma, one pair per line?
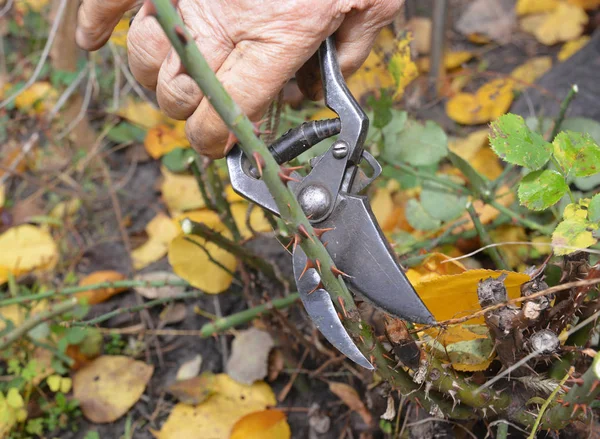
[329,196]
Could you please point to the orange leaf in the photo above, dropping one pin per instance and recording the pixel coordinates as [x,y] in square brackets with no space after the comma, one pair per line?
[164,138]
[100,295]
[266,424]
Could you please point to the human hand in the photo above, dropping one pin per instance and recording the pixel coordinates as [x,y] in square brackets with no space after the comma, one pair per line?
[254,46]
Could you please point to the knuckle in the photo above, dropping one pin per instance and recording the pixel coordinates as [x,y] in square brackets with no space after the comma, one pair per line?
[178,97]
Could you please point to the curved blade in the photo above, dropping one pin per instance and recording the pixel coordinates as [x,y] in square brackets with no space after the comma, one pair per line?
[320,308]
[359,248]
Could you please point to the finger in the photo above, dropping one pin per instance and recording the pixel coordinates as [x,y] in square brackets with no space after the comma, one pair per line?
[97,19]
[354,40]
[147,47]
[253,80]
[178,95]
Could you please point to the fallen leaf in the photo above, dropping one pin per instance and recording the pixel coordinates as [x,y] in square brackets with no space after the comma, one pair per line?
[65,209]
[193,391]
[2,195]
[476,151]
[215,417]
[402,67]
[452,60]
[527,73]
[570,48]
[38,98]
[173,313]
[103,294]
[421,30]
[266,424]
[161,231]
[189,369]
[433,266]
[57,383]
[119,35]
[525,7]
[109,386]
[258,221]
[192,259]
[470,355]
[565,23]
[514,255]
[488,103]
[159,292]
[26,248]
[371,76]
[351,398]
[249,358]
[493,18]
[180,192]
[487,213]
[141,113]
[164,138]
[586,4]
[453,296]
[383,208]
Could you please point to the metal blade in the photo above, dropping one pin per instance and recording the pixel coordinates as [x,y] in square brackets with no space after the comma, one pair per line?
[320,308]
[359,248]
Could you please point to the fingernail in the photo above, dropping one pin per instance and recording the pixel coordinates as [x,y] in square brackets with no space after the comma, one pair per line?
[131,20]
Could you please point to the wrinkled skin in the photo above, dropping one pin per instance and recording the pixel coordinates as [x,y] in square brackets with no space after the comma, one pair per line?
[254,46]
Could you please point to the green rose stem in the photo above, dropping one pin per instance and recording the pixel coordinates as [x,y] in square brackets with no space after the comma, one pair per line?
[435,377]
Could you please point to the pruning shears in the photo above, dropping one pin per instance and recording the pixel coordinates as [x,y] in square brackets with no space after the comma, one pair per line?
[329,196]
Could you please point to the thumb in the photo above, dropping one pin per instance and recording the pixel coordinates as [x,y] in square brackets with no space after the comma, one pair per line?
[97,19]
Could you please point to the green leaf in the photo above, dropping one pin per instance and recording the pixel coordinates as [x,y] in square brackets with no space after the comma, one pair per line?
[126,132]
[594,209]
[577,154]
[573,234]
[76,335]
[582,125]
[478,182]
[541,189]
[382,109]
[441,203]
[418,218]
[416,144]
[515,143]
[178,160]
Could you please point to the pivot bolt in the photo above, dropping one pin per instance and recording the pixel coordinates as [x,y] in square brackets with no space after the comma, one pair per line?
[315,201]
[340,149]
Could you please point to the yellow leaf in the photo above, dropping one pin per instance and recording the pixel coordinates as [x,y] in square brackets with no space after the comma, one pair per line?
[525,7]
[452,60]
[402,67]
[382,205]
[487,163]
[53,382]
[420,27]
[141,113]
[514,255]
[433,266]
[23,6]
[8,417]
[570,48]
[527,73]
[17,313]
[572,234]
[586,4]
[2,195]
[161,231]
[164,138]
[26,248]
[266,424]
[14,398]
[109,386]
[323,113]
[98,296]
[258,221]
[475,149]
[65,209]
[372,76]
[37,98]
[65,384]
[577,210]
[491,101]
[180,192]
[232,196]
[192,262]
[119,35]
[565,23]
[215,417]
[453,296]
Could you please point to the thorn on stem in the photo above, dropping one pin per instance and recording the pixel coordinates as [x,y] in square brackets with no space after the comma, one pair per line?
[320,232]
[309,264]
[231,140]
[318,287]
[337,272]
[180,33]
[260,162]
[343,306]
[304,232]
